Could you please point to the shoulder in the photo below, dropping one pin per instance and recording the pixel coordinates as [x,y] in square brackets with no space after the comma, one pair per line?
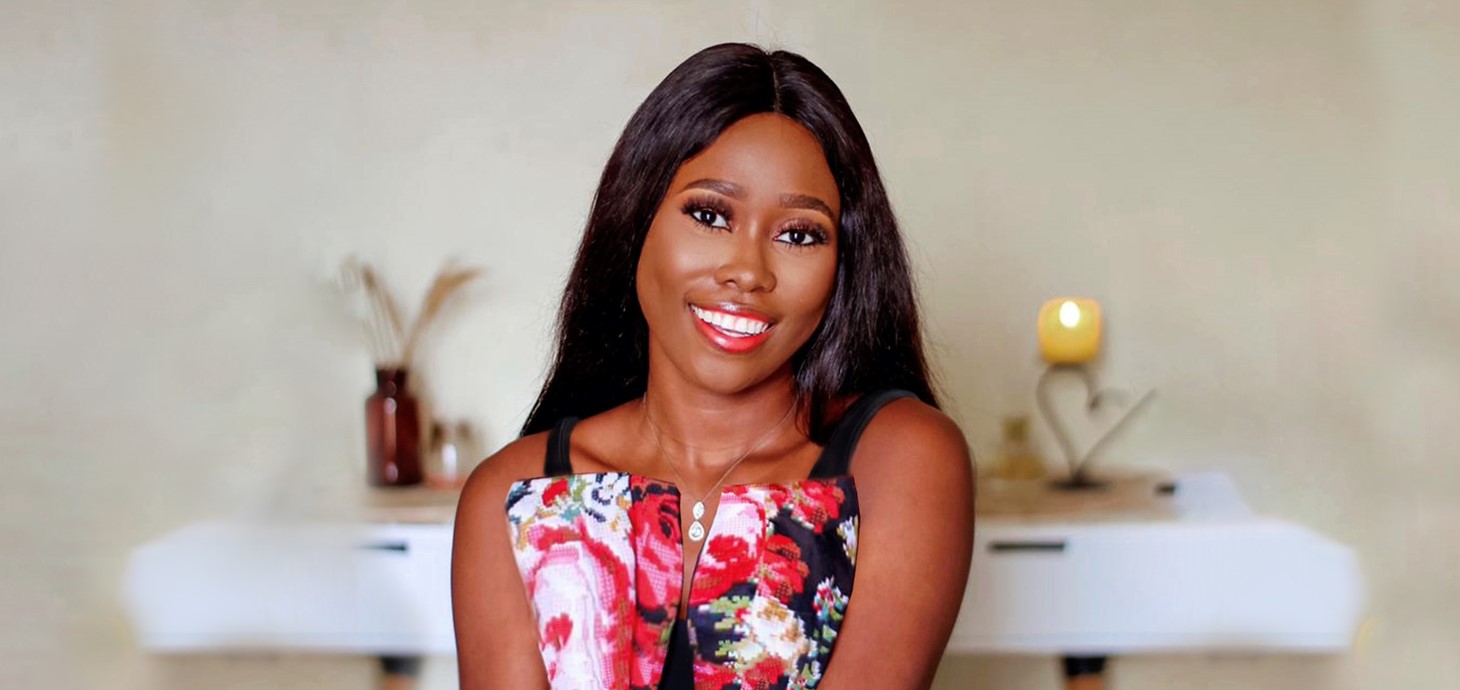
[495,628]
[486,489]
[908,427]
[915,500]
[605,442]
[910,445]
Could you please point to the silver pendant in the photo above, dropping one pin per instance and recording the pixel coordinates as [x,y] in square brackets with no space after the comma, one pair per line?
[696,530]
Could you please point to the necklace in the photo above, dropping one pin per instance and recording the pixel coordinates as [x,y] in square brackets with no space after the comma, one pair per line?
[696,528]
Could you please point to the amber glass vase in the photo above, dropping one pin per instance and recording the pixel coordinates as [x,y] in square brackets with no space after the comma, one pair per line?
[392,431]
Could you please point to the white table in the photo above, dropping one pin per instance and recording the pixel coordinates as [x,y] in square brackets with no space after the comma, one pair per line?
[1210,577]
[1199,574]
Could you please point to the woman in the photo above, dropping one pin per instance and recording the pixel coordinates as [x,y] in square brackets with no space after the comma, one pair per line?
[740,341]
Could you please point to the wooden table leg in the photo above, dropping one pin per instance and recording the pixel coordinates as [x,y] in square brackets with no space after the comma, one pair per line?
[399,672]
[1084,672]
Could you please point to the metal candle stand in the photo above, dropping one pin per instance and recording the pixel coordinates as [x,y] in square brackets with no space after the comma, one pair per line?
[1080,479]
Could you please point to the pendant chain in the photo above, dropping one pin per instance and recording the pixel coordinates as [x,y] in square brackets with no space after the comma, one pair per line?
[696,528]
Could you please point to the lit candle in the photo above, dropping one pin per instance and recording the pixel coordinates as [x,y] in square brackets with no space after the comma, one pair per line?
[1069,330]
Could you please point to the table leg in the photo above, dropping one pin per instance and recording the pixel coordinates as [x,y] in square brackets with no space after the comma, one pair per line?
[1084,672]
[399,672]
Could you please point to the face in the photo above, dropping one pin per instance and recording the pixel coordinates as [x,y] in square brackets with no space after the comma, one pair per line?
[739,262]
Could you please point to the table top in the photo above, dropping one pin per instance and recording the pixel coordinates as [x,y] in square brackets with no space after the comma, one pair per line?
[1128,496]
[412,505]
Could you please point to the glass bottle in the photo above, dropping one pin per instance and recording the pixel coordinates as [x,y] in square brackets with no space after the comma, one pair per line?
[392,431]
[444,470]
[1017,459]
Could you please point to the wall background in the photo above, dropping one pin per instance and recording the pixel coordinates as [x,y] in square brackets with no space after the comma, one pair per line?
[1264,195]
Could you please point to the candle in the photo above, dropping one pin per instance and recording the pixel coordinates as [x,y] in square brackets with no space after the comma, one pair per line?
[1069,330]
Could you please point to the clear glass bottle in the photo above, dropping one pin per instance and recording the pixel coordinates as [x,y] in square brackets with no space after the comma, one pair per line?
[1016,457]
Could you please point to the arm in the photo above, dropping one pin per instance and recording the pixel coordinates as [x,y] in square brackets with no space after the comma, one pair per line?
[496,636]
[915,543]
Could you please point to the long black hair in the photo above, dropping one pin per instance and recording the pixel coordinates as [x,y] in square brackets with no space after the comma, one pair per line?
[869,337]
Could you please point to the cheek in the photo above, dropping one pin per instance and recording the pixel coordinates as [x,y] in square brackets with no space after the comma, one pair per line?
[668,265]
[650,277]
[812,287]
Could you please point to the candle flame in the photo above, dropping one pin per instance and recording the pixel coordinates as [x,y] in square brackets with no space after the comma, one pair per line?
[1069,314]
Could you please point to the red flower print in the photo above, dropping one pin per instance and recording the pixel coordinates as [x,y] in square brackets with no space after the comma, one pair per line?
[553,491]
[782,571]
[777,495]
[765,674]
[817,503]
[658,575]
[603,562]
[557,631]
[659,558]
[613,584]
[649,649]
[726,562]
[546,536]
[710,676]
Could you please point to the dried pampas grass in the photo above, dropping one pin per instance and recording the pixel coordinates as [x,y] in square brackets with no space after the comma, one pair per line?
[391,344]
[448,281]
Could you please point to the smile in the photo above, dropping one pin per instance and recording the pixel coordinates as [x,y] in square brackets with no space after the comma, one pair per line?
[735,333]
[731,324]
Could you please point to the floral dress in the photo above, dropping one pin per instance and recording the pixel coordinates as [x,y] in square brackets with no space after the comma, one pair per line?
[600,555]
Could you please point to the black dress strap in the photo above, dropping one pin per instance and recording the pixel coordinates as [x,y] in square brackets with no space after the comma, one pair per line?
[558,463]
[836,457]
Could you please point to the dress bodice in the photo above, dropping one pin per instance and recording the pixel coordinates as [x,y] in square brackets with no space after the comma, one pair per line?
[601,557]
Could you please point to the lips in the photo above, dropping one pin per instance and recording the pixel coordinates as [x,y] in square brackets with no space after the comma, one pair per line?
[732,328]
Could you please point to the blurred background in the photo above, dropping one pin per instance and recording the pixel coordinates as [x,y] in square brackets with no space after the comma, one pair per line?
[1264,196]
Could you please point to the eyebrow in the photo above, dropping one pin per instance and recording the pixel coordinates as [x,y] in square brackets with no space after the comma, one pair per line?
[807,202]
[735,191]
[729,189]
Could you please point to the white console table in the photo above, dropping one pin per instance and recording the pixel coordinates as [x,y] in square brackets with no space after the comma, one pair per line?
[1209,576]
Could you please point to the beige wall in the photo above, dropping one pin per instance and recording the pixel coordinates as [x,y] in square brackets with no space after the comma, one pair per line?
[1264,195]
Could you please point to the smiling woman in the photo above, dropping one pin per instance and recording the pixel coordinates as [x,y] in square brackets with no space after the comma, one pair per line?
[728,260]
[737,426]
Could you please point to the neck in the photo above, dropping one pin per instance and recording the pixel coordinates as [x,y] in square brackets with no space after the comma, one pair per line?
[708,430]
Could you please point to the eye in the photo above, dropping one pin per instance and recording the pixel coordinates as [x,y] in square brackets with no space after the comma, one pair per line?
[802,237]
[705,216]
[708,213]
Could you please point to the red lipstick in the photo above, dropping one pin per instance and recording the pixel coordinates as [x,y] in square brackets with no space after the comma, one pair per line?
[727,339]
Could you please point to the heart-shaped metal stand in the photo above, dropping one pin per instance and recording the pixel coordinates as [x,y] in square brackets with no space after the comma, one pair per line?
[1079,478]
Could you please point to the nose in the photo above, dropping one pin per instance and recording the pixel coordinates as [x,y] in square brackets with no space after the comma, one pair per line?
[745,265]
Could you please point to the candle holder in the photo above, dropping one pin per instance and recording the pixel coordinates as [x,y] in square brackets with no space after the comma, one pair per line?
[1069,338]
[1095,397]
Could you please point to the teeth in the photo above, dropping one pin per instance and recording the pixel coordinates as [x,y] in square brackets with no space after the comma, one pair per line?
[736,325]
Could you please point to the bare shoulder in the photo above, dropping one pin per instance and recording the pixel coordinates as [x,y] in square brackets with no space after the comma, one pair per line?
[909,436]
[915,497]
[486,488]
[495,628]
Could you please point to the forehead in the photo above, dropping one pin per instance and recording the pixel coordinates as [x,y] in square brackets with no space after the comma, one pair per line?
[768,155]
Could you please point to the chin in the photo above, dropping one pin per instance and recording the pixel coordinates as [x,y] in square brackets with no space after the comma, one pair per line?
[730,378]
